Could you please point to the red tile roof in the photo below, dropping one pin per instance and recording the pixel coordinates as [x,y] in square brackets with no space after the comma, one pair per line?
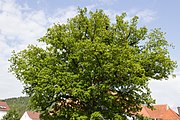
[4,106]
[162,112]
[34,115]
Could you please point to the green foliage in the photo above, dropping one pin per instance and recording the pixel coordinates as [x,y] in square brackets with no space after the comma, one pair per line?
[140,117]
[19,104]
[11,115]
[96,116]
[92,65]
[119,117]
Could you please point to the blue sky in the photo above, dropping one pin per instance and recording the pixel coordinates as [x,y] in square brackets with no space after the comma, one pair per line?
[22,22]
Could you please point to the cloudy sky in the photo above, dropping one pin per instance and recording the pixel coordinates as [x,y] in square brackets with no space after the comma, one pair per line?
[22,22]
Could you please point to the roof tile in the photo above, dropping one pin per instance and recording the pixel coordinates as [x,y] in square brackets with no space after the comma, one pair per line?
[4,106]
[34,115]
[162,112]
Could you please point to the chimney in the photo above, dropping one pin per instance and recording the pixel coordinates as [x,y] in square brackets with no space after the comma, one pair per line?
[178,110]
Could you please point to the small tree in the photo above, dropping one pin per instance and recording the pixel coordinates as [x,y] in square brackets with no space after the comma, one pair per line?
[11,115]
[92,68]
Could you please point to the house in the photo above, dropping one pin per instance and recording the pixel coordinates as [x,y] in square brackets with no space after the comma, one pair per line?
[29,115]
[160,112]
[3,109]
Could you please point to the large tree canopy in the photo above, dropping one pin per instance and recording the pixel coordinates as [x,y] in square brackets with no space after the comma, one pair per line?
[93,69]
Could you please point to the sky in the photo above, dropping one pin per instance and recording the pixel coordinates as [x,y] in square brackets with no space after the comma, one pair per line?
[22,22]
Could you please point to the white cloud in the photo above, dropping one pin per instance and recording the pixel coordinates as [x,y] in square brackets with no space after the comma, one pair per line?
[61,15]
[112,14]
[9,86]
[19,26]
[167,91]
[145,16]
[106,2]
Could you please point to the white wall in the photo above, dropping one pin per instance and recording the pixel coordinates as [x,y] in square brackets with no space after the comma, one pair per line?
[2,113]
[25,117]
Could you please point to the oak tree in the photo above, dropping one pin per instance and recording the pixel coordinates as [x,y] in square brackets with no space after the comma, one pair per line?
[92,68]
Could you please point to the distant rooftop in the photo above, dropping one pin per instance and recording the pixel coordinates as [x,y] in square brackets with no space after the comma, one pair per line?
[34,115]
[4,106]
[161,112]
